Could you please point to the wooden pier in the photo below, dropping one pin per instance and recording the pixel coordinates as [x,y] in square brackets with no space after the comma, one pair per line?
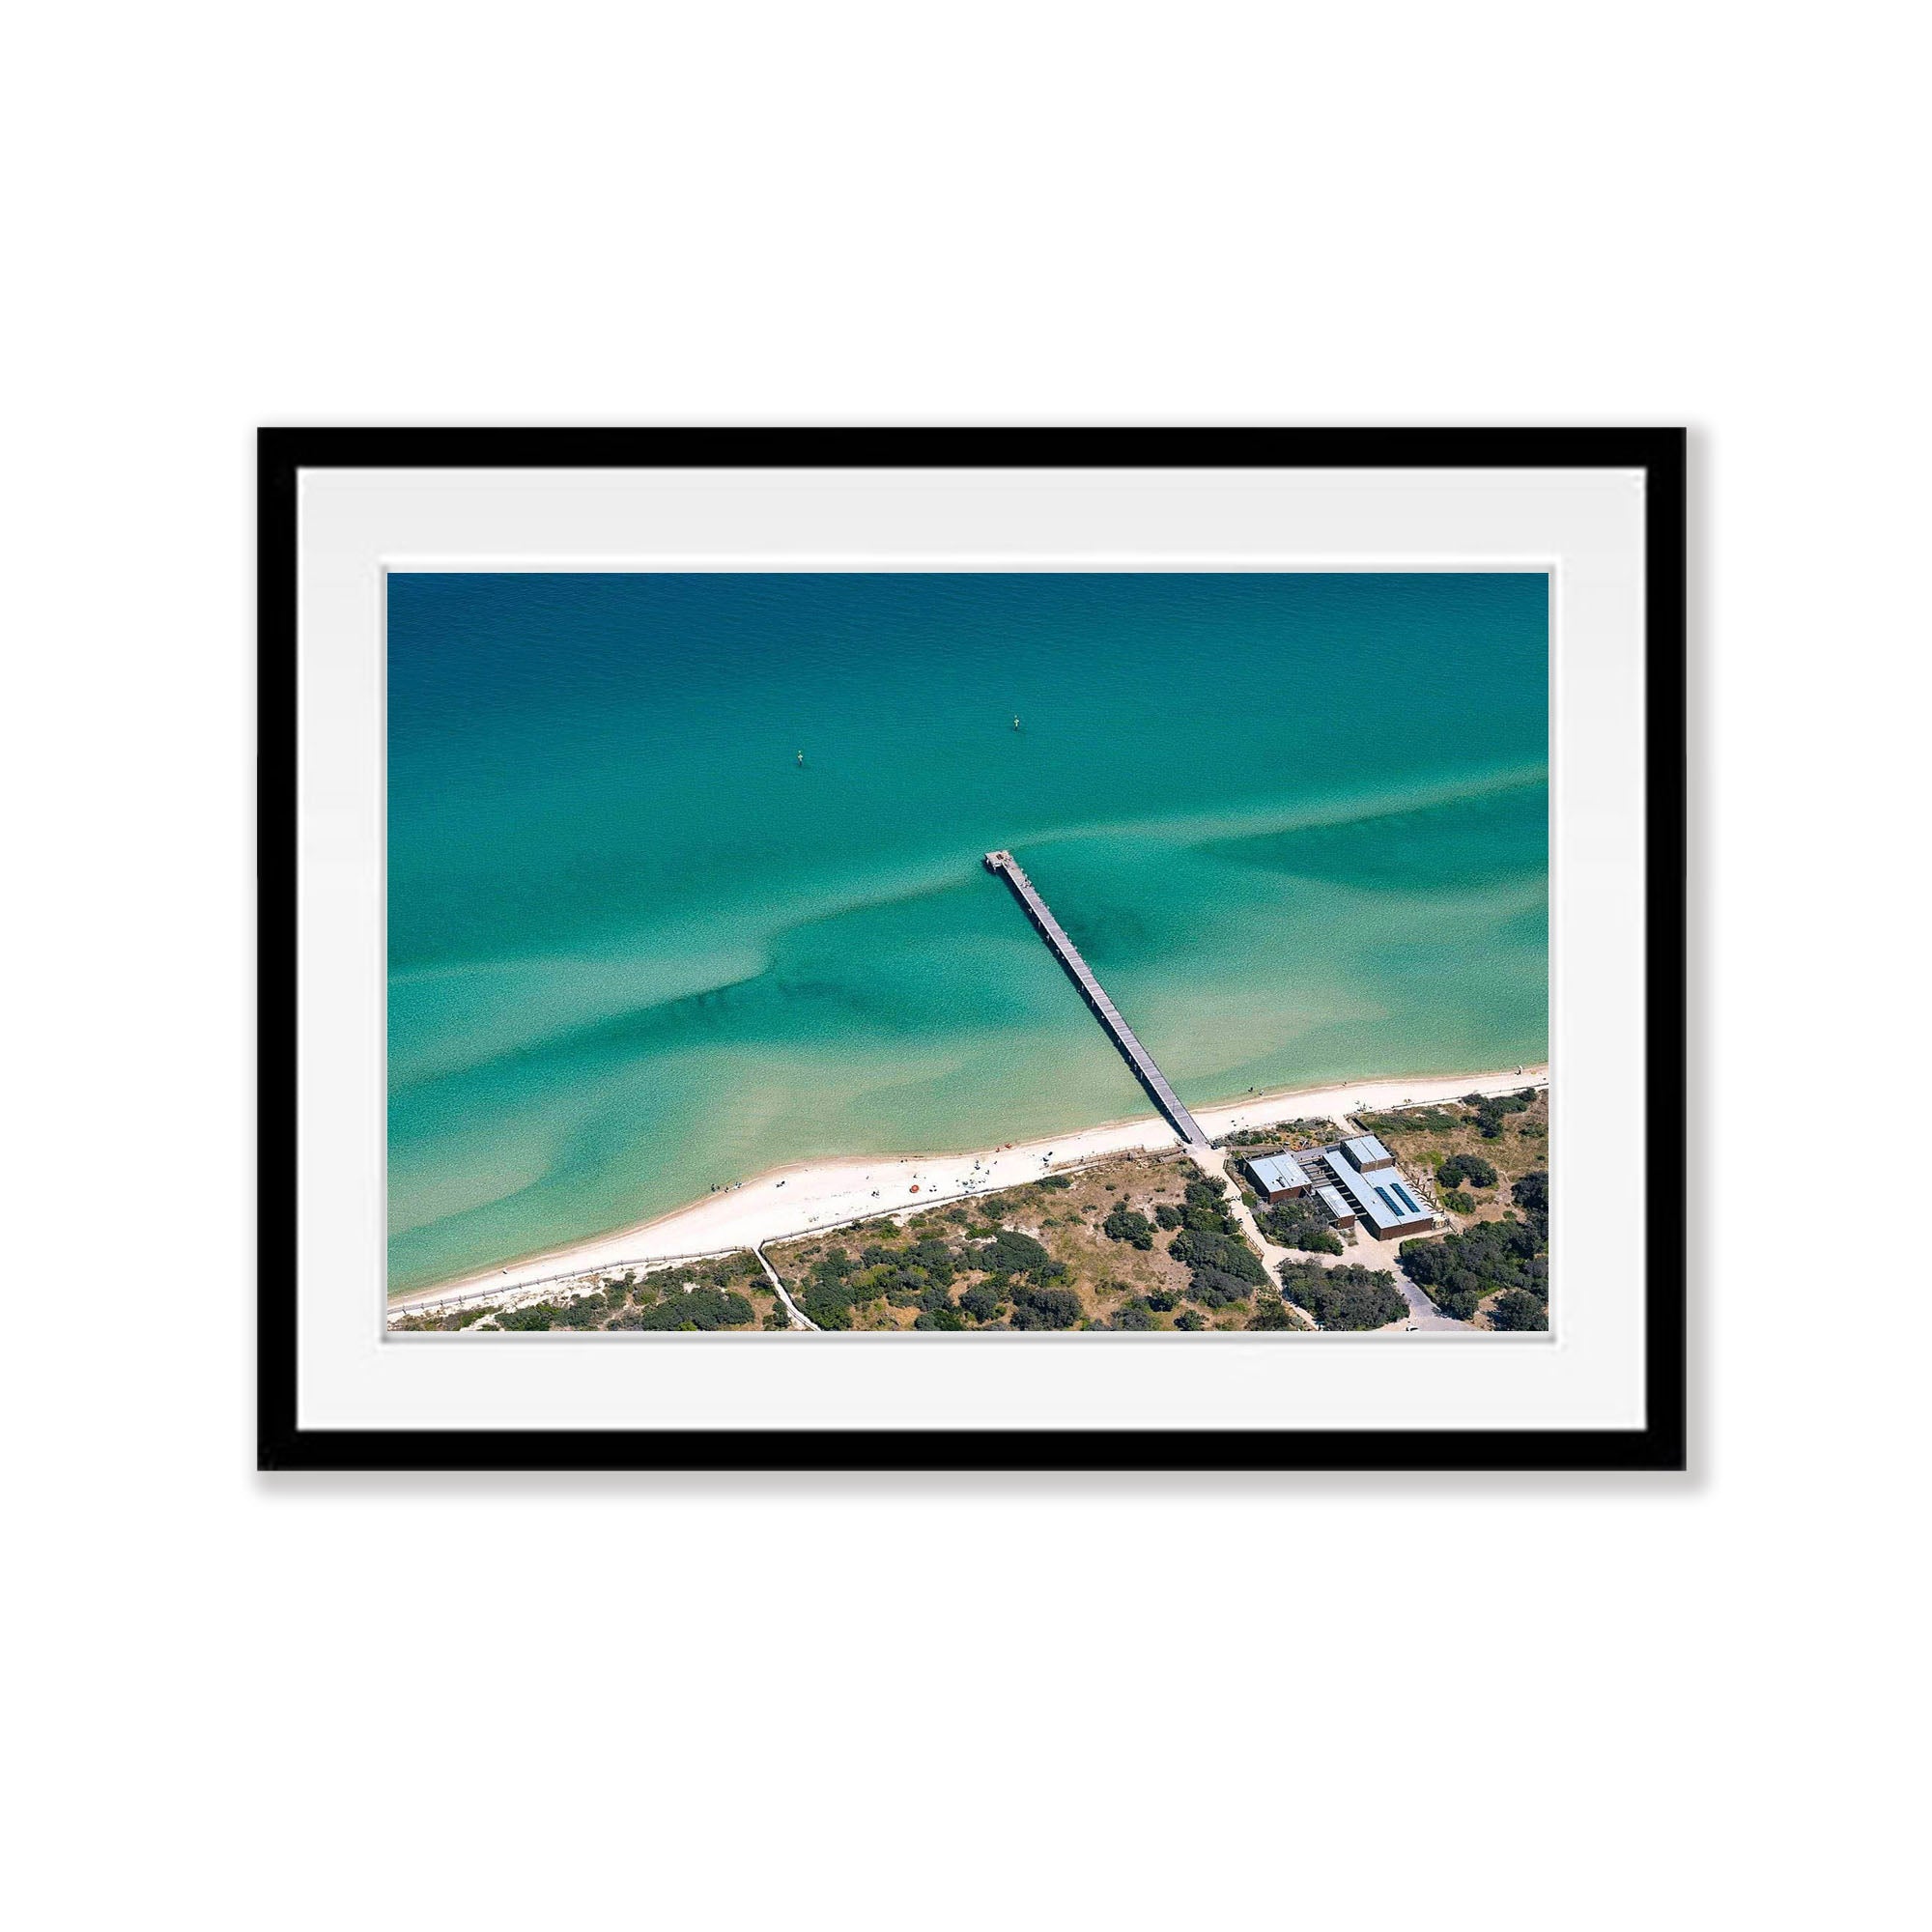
[1096,995]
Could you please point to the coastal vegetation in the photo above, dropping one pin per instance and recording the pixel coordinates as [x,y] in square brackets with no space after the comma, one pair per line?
[1460,1272]
[726,1291]
[1222,1267]
[1345,1297]
[1516,1308]
[1450,1141]
[436,1322]
[1284,1137]
[1133,1243]
[1489,1157]
[1298,1224]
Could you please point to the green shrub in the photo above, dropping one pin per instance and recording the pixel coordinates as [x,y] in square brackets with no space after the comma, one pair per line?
[827,1307]
[1516,1307]
[1346,1297]
[1298,1224]
[1012,1252]
[1469,1167]
[1133,1314]
[1207,1209]
[1188,1322]
[703,1309]
[1044,1307]
[1124,1224]
[1213,1289]
[981,1302]
[539,1316]
[1458,1270]
[1272,1312]
[1459,1203]
[1224,1251]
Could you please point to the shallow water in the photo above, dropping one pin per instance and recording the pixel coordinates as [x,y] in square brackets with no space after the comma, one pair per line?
[1296,824]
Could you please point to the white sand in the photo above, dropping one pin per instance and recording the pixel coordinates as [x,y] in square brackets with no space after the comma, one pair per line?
[796,1199]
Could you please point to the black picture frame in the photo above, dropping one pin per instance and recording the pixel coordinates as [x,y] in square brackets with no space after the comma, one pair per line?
[1661,1445]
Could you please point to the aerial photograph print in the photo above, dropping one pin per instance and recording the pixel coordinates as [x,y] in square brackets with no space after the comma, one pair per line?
[1089,953]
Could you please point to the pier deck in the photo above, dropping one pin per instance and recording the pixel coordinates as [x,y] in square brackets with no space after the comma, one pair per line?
[1008,868]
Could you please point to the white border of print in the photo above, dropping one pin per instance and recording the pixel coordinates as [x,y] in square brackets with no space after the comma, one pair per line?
[1585,526]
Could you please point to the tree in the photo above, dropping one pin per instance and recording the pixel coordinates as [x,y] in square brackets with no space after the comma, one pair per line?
[703,1309]
[1296,1223]
[1272,1312]
[1011,1253]
[1460,1270]
[1516,1308]
[981,1302]
[1531,1193]
[1124,1224]
[1215,1288]
[1206,1210]
[1226,1253]
[1469,1167]
[1347,1297]
[1044,1308]
[824,1305]
[539,1316]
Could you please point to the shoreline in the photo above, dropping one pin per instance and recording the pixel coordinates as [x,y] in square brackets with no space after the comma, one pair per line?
[787,1202]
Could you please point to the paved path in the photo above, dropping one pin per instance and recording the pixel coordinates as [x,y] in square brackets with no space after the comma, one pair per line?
[1214,1161]
[791,1308]
[1422,1312]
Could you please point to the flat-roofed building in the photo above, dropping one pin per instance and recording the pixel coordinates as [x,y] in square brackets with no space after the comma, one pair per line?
[1278,1176]
[1339,1212]
[1387,1206]
[1368,1154]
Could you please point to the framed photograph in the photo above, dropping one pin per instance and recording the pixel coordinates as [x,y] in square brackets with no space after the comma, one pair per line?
[978,948]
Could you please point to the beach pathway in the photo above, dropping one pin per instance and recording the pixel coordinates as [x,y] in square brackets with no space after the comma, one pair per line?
[796,1315]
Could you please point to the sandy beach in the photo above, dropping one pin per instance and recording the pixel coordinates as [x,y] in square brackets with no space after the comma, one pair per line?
[795,1200]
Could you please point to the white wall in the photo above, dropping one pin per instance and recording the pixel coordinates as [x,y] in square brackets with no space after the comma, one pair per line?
[1336,1703]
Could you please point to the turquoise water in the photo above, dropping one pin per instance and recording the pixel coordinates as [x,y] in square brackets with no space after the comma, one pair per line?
[1296,824]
